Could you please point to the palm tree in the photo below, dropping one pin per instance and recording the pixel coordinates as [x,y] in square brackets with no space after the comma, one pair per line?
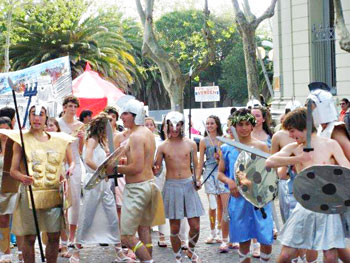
[93,39]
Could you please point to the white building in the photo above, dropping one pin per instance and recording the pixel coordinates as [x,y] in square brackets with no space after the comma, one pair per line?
[306,49]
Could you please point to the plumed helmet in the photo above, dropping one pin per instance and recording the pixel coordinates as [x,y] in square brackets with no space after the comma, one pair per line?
[174,117]
[292,105]
[253,103]
[135,107]
[325,110]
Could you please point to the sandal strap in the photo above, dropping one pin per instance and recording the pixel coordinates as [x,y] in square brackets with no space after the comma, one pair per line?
[264,257]
[243,257]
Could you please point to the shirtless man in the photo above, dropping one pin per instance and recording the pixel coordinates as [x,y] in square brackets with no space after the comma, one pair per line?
[246,222]
[42,150]
[325,117]
[140,193]
[179,192]
[328,235]
[69,124]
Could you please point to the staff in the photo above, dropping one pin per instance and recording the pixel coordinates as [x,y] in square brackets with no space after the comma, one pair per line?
[27,171]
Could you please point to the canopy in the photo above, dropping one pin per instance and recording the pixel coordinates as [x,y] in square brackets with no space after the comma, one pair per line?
[94,92]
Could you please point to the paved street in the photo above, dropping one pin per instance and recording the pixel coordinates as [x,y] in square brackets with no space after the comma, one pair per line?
[209,253]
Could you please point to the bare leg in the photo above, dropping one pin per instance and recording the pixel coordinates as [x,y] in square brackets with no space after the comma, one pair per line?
[330,256]
[145,237]
[174,235]
[72,229]
[219,211]
[5,233]
[137,246]
[311,255]
[193,236]
[265,252]
[344,254]
[287,254]
[28,248]
[224,224]
[244,248]
[19,240]
[53,240]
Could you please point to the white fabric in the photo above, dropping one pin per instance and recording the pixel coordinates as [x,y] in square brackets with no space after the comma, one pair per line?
[98,221]
[76,178]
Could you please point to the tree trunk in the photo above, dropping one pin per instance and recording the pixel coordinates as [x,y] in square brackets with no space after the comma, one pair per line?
[249,49]
[342,31]
[8,34]
[176,95]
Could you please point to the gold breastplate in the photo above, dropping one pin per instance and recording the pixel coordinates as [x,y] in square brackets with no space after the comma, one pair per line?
[45,164]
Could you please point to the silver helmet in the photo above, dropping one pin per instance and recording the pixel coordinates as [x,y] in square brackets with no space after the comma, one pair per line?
[135,107]
[174,117]
[325,110]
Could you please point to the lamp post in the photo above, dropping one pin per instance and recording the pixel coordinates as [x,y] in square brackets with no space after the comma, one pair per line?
[190,106]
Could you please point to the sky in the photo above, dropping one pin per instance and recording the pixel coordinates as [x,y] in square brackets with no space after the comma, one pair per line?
[218,7]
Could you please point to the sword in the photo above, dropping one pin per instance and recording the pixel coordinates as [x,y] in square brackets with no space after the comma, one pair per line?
[109,132]
[193,170]
[309,121]
[13,87]
[244,147]
[234,133]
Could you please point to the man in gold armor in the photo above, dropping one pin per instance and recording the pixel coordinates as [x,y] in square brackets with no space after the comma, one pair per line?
[45,153]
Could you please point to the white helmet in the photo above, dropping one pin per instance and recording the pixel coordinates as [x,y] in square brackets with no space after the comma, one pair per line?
[292,105]
[325,110]
[135,107]
[38,105]
[175,117]
[253,103]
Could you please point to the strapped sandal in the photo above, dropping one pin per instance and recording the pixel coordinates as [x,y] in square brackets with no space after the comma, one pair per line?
[66,253]
[194,257]
[178,256]
[6,258]
[264,257]
[243,257]
[20,256]
[74,259]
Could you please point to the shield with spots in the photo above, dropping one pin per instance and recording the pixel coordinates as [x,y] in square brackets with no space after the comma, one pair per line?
[323,189]
[255,182]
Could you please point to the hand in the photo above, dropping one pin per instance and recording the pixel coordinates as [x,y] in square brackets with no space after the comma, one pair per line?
[81,135]
[305,157]
[233,188]
[110,169]
[198,185]
[26,180]
[217,156]
[69,172]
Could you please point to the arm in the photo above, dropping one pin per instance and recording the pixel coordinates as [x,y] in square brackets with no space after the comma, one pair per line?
[195,162]
[15,170]
[137,157]
[275,147]
[201,159]
[284,158]
[339,154]
[158,160]
[69,158]
[339,134]
[223,178]
[89,155]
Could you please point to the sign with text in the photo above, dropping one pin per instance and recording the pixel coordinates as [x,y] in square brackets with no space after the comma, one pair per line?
[207,93]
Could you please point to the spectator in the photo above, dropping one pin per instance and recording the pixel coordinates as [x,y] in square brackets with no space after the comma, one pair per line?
[345,105]
[85,116]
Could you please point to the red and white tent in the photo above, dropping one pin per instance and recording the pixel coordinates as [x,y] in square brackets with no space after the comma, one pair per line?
[94,92]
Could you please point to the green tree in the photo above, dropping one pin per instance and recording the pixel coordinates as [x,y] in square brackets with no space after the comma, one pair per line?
[52,29]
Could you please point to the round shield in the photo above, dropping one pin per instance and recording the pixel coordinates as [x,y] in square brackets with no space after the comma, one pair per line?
[100,173]
[256,182]
[323,189]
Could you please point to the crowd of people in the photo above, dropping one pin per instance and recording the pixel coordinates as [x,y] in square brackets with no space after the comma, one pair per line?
[152,180]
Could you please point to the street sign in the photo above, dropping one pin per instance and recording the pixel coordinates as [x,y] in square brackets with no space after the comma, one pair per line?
[207,93]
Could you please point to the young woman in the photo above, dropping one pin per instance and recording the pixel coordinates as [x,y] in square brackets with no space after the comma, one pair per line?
[217,193]
[262,130]
[98,222]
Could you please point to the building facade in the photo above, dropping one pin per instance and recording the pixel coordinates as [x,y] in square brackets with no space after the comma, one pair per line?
[306,49]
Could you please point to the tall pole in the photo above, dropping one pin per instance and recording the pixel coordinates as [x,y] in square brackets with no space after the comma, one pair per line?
[27,172]
[190,106]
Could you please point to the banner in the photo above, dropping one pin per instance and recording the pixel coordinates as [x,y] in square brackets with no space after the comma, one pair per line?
[49,82]
[207,93]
